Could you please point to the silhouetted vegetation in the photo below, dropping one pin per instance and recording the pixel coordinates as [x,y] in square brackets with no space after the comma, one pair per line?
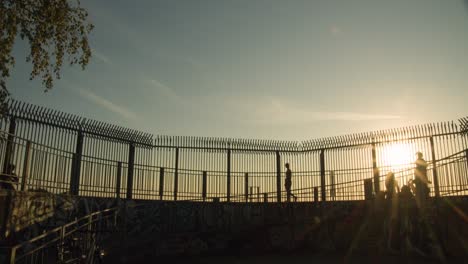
[53,28]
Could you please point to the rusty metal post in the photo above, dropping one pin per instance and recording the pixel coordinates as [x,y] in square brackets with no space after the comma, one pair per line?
[76,165]
[228,176]
[246,187]
[204,185]
[27,158]
[375,170]
[278,177]
[176,174]
[161,183]
[322,175]
[131,169]
[119,179]
[435,176]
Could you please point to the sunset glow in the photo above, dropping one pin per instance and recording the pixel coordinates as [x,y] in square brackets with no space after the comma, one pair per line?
[398,155]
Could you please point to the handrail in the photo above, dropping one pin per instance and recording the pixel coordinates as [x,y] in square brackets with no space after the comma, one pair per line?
[61,232]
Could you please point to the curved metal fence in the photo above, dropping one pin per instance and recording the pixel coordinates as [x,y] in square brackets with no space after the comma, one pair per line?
[57,152]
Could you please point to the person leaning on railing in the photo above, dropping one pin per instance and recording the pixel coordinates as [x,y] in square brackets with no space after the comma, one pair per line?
[9,179]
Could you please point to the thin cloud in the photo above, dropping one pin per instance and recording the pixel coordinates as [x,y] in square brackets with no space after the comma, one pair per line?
[101,57]
[273,111]
[106,104]
[165,90]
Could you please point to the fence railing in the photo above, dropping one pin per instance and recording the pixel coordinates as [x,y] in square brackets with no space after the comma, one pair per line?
[45,168]
[57,152]
[74,242]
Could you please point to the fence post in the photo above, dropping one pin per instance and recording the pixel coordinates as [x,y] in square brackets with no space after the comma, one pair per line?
[27,158]
[258,193]
[9,151]
[368,189]
[265,197]
[278,177]
[161,183]
[228,175]
[375,170]
[131,167]
[246,187]
[176,174]
[204,185]
[322,175]
[316,194]
[466,156]
[119,179]
[76,165]
[434,169]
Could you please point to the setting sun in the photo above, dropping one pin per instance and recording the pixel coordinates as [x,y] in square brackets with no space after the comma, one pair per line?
[398,155]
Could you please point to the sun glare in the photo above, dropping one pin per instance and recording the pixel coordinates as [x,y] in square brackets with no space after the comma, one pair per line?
[398,155]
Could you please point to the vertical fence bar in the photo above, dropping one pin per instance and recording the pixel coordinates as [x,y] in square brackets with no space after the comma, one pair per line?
[228,183]
[131,167]
[246,187]
[161,183]
[27,158]
[466,156]
[322,174]
[176,174]
[434,168]
[119,179]
[375,170]
[204,185]
[278,177]
[316,194]
[9,147]
[76,165]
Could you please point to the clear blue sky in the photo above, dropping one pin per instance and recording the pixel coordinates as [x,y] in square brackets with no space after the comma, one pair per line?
[265,69]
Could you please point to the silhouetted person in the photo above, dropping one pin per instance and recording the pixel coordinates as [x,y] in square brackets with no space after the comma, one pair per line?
[420,180]
[391,185]
[288,183]
[407,191]
[392,210]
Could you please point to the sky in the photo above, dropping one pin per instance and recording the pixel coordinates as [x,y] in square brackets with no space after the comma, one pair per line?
[267,69]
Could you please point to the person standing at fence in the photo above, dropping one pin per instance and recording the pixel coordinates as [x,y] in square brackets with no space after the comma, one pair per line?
[421,181]
[391,185]
[288,183]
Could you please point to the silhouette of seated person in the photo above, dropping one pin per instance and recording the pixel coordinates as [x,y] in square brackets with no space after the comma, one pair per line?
[407,190]
[9,179]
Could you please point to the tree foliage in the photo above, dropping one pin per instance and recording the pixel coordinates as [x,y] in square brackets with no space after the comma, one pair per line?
[53,29]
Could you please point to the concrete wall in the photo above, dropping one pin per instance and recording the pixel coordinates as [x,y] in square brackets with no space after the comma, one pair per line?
[166,227]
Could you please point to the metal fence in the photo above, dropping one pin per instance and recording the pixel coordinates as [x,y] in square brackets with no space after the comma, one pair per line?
[58,152]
